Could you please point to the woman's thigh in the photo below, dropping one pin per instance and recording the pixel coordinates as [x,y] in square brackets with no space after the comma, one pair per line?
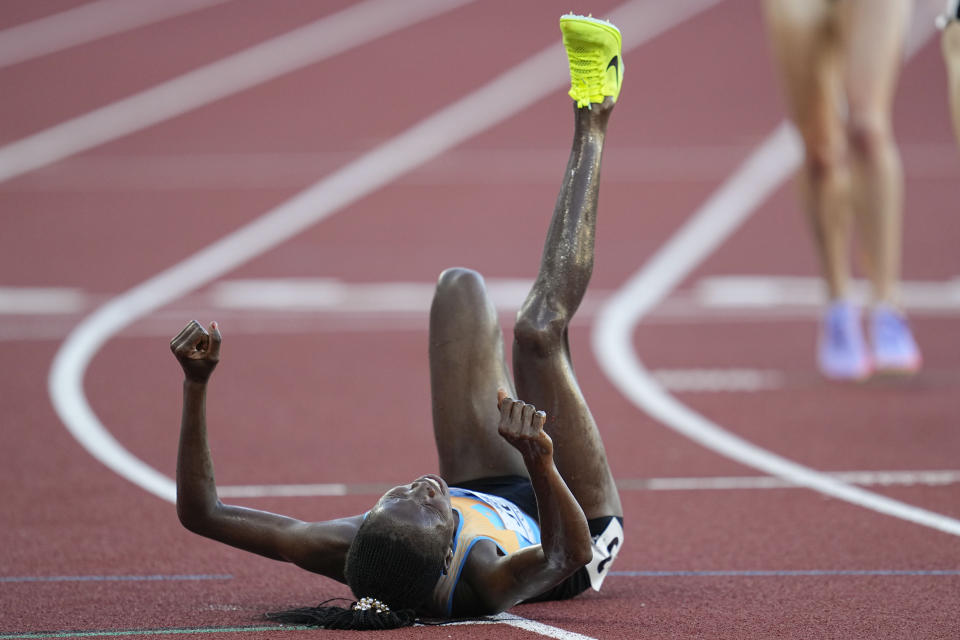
[873,33]
[467,367]
[804,36]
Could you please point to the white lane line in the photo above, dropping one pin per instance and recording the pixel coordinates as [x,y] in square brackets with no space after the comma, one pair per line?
[303,46]
[767,297]
[41,300]
[864,478]
[56,327]
[333,295]
[288,490]
[798,291]
[521,623]
[506,95]
[706,229]
[87,23]
[726,379]
[538,627]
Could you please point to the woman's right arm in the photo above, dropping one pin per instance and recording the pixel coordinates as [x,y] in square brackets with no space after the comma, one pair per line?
[320,547]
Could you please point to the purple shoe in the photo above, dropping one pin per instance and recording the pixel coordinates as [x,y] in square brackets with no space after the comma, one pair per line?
[894,349]
[842,351]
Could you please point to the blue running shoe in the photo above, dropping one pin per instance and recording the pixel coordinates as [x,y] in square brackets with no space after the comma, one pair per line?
[842,351]
[894,349]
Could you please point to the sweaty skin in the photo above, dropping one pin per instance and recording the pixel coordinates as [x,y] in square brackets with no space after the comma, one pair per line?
[481,429]
[496,582]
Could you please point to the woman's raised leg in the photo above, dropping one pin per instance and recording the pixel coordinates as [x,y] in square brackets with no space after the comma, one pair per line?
[541,353]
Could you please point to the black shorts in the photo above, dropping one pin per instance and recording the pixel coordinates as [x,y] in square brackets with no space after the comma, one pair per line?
[519,491]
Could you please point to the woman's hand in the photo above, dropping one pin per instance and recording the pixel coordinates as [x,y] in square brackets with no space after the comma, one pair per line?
[522,426]
[197,350]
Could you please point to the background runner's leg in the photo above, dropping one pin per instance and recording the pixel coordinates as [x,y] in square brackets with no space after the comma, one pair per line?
[804,38]
[873,36]
[467,366]
[541,352]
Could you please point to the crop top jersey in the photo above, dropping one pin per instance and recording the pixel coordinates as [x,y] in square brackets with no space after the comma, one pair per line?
[482,517]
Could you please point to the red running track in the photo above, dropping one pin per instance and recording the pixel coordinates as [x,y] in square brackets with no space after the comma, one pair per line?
[339,396]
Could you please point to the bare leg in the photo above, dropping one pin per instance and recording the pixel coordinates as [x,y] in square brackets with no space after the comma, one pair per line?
[541,352]
[950,42]
[803,34]
[467,366]
[873,34]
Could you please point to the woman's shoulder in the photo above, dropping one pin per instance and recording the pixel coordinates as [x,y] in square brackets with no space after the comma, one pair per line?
[456,593]
[467,599]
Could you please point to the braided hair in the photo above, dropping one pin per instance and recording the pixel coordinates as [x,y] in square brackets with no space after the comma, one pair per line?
[388,563]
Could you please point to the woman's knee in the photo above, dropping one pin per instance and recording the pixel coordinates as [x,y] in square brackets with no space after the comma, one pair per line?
[460,282]
[824,159]
[460,300]
[870,134]
[539,332]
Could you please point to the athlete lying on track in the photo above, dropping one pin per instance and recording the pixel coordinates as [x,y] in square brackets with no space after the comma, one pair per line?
[525,507]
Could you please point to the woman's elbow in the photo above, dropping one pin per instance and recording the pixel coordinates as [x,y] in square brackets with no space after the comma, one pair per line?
[572,559]
[581,556]
[196,518]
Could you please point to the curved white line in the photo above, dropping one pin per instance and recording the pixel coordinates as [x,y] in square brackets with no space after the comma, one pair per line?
[538,627]
[709,227]
[506,95]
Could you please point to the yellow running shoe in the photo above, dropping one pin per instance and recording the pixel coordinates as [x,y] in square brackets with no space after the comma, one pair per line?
[596,64]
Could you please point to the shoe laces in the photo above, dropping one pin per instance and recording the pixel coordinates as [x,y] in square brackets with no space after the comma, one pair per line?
[587,73]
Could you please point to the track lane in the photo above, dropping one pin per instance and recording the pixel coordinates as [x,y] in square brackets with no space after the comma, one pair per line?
[709,529]
[712,223]
[69,83]
[86,23]
[541,630]
[427,139]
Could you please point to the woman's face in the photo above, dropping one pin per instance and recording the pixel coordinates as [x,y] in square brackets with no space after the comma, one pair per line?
[424,503]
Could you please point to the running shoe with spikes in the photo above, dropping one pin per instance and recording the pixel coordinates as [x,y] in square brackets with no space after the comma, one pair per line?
[596,63]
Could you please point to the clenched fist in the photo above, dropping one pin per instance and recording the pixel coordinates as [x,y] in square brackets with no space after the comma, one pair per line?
[522,426]
[197,350]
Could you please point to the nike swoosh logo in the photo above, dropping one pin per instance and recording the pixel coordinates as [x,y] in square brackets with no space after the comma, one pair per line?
[614,62]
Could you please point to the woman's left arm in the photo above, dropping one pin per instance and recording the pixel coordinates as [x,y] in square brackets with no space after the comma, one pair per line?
[565,541]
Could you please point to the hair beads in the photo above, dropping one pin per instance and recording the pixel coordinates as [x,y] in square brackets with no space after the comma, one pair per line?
[364,604]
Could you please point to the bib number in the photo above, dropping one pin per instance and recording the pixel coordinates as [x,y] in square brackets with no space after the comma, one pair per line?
[606,546]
